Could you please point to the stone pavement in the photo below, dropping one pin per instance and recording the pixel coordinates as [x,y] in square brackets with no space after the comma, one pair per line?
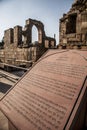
[3,120]
[5,85]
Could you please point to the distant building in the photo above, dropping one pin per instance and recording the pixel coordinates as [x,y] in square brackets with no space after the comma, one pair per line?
[18,46]
[73,26]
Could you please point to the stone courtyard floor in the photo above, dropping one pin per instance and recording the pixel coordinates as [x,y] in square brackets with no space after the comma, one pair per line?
[5,85]
[3,120]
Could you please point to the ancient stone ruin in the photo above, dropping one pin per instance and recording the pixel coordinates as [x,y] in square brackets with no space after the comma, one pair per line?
[52,95]
[18,46]
[23,37]
[73,26]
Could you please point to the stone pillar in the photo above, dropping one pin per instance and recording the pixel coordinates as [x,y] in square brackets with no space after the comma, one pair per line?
[78,24]
[40,36]
[28,29]
[84,22]
[8,37]
[62,31]
[46,43]
[27,36]
[17,35]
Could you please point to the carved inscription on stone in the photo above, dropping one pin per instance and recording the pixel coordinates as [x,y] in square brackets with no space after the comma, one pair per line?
[52,86]
[41,113]
[70,70]
[45,97]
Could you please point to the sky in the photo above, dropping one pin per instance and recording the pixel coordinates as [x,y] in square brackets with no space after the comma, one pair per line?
[15,12]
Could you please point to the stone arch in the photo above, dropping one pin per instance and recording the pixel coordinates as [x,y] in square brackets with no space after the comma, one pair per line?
[28,31]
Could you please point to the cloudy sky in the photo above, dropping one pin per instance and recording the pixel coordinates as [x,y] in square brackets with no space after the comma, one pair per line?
[15,12]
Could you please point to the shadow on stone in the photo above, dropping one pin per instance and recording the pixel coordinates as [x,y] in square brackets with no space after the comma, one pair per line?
[4,87]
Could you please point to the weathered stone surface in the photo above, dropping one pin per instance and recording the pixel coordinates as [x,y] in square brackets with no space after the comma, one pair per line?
[52,95]
[18,43]
[15,35]
[3,122]
[73,25]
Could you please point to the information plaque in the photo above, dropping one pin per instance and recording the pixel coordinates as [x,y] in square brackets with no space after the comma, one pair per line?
[49,96]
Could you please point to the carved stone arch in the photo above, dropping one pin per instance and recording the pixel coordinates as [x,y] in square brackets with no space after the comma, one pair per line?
[40,32]
[28,31]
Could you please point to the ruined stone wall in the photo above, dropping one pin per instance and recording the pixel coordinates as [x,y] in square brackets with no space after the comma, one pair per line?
[73,26]
[50,42]
[18,43]
[8,37]
[15,35]
[16,56]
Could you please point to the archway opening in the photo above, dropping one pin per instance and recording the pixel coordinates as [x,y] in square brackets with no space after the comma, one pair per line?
[34,34]
[86,37]
[71,24]
[22,39]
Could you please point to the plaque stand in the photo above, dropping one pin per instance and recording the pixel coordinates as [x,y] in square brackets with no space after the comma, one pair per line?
[81,121]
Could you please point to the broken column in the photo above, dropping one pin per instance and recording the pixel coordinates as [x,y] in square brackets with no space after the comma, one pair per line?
[8,37]
[17,35]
